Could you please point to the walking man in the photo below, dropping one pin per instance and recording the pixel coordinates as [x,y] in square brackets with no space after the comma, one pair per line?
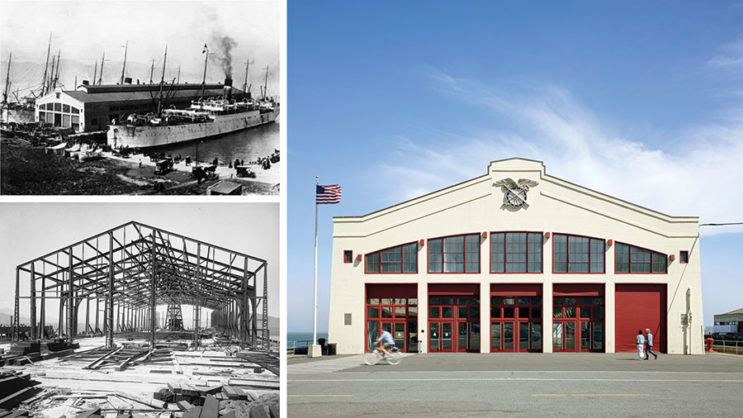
[649,345]
[640,341]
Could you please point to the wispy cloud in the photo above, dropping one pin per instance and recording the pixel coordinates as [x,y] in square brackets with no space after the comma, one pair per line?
[697,173]
[729,57]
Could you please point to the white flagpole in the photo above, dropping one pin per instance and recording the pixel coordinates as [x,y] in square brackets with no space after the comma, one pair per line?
[314,303]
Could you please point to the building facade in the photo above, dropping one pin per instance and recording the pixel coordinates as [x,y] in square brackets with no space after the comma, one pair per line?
[516,261]
[729,322]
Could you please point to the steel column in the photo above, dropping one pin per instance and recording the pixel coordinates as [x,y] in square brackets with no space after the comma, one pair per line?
[110,299]
[42,313]
[17,310]
[33,302]
[152,296]
[71,299]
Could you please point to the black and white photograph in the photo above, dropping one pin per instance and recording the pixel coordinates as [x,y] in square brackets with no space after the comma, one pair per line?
[132,309]
[140,98]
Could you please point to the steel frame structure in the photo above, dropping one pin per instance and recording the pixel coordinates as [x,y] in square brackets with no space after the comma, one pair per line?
[134,267]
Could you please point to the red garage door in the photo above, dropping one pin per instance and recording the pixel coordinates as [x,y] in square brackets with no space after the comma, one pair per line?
[640,306]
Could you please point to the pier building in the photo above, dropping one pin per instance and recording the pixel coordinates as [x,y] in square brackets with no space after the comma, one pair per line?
[516,260]
[93,107]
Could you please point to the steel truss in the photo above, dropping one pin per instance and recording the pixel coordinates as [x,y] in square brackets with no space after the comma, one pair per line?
[133,268]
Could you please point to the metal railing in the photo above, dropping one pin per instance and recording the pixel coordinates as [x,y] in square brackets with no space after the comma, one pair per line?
[728,346]
[292,345]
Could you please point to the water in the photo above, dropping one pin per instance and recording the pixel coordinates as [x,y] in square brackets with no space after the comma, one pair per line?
[249,145]
[302,339]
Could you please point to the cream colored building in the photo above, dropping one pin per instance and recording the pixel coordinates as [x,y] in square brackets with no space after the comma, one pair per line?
[516,260]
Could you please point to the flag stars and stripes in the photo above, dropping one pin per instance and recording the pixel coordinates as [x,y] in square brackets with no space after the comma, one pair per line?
[328,194]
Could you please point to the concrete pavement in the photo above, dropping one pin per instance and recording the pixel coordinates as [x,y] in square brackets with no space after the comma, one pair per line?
[579,384]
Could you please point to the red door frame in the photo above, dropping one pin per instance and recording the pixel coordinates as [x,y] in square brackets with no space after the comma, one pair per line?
[391,291]
[453,291]
[575,291]
[515,291]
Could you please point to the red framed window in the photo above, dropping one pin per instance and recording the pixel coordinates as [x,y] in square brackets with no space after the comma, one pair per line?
[400,259]
[578,323]
[516,252]
[455,254]
[398,316]
[578,254]
[348,256]
[684,257]
[637,260]
[515,323]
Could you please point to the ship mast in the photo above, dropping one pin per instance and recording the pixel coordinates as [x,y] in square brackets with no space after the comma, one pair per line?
[179,75]
[100,78]
[48,82]
[247,68]
[265,84]
[162,81]
[7,81]
[95,72]
[46,66]
[152,70]
[123,68]
[56,76]
[206,61]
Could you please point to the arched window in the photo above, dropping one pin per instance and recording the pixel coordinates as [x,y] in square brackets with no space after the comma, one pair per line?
[516,252]
[455,254]
[577,254]
[400,259]
[637,260]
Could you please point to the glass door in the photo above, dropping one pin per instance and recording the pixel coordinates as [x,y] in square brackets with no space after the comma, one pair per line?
[435,337]
[446,336]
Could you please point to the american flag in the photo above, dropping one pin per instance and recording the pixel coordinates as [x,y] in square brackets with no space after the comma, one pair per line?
[328,195]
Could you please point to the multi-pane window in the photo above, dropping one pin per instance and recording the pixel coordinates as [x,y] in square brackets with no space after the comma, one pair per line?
[574,254]
[631,259]
[458,254]
[399,316]
[400,259]
[516,252]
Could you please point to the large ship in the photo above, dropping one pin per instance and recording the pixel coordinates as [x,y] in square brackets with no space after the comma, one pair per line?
[205,118]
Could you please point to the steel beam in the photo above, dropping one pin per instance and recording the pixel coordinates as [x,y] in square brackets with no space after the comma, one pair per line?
[33,303]
[71,300]
[110,299]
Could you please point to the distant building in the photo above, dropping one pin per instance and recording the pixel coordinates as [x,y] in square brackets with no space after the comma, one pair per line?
[479,267]
[729,323]
[91,108]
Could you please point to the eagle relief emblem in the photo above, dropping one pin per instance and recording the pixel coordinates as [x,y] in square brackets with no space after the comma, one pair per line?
[514,193]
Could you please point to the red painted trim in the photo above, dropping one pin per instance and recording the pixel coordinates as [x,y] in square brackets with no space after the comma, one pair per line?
[578,289]
[672,258]
[589,254]
[421,242]
[485,235]
[681,257]
[389,290]
[346,259]
[402,260]
[609,243]
[505,248]
[547,235]
[630,259]
[508,289]
[428,258]
[458,289]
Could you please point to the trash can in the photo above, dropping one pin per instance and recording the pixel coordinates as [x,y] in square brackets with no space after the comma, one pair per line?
[710,341]
[331,349]
[321,342]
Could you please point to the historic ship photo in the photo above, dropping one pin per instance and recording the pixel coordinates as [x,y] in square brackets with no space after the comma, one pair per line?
[182,100]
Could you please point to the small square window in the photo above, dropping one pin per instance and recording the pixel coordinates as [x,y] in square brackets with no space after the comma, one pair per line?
[348,256]
[684,257]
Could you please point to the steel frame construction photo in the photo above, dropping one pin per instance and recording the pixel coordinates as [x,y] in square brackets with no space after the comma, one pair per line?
[122,274]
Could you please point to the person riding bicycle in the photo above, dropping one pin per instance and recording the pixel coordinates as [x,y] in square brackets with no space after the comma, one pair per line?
[385,341]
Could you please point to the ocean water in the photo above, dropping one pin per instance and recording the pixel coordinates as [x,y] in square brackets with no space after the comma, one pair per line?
[249,145]
[302,339]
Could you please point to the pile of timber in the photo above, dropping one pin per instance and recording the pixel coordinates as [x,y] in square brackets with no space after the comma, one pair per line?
[217,401]
[15,387]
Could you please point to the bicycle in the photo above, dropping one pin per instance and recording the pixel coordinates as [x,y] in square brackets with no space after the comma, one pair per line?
[392,357]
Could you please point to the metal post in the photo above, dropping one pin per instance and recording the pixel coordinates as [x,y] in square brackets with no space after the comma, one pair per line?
[87,314]
[33,303]
[266,332]
[152,296]
[16,323]
[97,311]
[244,327]
[71,299]
[60,329]
[110,299]
[42,313]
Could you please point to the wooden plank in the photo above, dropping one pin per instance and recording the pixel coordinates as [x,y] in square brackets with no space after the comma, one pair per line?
[194,412]
[13,396]
[97,363]
[258,411]
[211,407]
[129,359]
[184,405]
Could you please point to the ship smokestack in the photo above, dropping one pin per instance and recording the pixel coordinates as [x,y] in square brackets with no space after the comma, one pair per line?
[86,83]
[228,88]
[128,80]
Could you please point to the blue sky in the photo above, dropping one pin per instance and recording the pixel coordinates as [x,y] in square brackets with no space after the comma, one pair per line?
[396,99]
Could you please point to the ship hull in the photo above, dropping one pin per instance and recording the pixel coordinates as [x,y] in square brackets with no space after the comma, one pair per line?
[120,136]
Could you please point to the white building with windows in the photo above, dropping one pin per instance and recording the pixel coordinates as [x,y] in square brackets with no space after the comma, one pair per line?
[516,260]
